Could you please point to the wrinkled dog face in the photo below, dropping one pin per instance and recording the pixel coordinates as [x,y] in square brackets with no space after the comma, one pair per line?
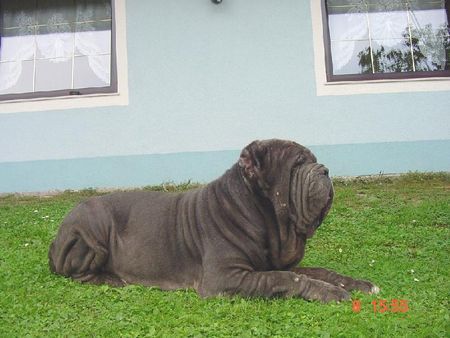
[288,174]
[311,196]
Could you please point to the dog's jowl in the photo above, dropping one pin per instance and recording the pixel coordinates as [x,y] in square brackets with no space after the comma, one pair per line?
[244,233]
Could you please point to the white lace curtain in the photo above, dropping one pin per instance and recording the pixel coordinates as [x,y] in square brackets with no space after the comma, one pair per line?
[54,32]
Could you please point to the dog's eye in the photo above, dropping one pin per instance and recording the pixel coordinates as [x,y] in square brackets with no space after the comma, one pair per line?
[299,160]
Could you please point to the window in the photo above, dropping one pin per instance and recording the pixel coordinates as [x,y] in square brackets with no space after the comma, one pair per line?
[51,48]
[386,39]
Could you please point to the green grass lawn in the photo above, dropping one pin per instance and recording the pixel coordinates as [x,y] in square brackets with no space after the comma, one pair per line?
[394,232]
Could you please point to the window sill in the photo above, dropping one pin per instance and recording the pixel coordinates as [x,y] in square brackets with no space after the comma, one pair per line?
[64,102]
[381,86]
[324,87]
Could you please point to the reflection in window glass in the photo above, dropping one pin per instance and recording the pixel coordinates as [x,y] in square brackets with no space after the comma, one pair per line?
[388,36]
[346,60]
[41,41]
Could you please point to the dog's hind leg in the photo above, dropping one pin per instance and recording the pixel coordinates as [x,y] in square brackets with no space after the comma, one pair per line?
[80,252]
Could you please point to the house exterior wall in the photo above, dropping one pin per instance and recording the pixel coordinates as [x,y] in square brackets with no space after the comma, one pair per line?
[204,80]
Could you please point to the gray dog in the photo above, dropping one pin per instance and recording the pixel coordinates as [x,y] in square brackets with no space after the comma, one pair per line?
[244,233]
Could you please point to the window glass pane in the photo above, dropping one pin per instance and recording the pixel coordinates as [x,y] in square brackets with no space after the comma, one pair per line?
[391,56]
[18,13]
[89,10]
[92,71]
[54,41]
[348,26]
[435,18]
[93,38]
[388,22]
[345,6]
[16,77]
[433,54]
[53,74]
[55,12]
[17,44]
[347,57]
[430,35]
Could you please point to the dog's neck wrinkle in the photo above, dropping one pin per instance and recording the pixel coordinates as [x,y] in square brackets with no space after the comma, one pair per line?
[298,201]
[233,188]
[239,216]
[236,189]
[286,238]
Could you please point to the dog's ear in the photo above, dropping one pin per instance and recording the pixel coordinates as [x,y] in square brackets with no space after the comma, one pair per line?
[252,159]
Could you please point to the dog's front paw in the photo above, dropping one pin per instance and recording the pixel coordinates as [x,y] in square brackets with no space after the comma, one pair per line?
[361,285]
[326,292]
[335,294]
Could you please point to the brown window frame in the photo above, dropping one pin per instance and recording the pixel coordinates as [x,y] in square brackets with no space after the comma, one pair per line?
[374,76]
[112,88]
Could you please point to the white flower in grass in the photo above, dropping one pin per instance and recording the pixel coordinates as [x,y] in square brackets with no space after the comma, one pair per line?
[340,250]
[412,271]
[416,280]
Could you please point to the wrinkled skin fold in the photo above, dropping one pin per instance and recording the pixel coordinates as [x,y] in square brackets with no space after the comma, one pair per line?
[244,233]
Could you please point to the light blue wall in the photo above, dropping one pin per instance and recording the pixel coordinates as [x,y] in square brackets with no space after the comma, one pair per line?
[142,170]
[206,78]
